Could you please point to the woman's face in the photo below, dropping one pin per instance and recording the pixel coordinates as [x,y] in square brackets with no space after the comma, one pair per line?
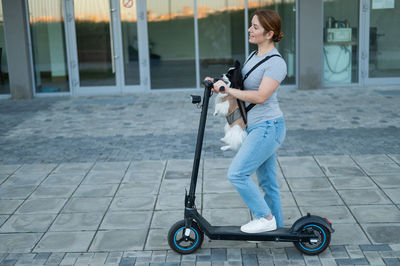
[256,32]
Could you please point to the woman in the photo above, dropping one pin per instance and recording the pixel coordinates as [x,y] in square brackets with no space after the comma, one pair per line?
[265,127]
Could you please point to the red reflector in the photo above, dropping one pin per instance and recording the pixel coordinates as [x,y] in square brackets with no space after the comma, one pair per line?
[328,221]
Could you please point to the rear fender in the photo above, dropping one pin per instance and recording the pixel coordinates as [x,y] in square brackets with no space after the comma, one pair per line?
[309,219]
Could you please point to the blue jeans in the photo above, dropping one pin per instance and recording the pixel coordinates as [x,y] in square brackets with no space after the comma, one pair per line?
[258,154]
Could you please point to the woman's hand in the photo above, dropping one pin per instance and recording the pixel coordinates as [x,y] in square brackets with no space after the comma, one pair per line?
[218,85]
[209,79]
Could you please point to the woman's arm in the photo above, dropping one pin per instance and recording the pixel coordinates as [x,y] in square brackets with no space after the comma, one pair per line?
[266,89]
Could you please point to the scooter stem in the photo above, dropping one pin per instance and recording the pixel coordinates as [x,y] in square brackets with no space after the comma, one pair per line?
[199,144]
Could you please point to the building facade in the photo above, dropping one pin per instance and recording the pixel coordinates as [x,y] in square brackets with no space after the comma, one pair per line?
[89,47]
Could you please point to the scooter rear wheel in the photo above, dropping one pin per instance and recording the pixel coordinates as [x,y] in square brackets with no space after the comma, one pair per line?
[185,243]
[316,245]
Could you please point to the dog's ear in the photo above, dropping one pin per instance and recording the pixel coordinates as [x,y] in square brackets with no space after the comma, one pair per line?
[237,64]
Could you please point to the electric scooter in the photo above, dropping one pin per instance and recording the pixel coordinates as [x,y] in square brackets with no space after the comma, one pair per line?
[310,234]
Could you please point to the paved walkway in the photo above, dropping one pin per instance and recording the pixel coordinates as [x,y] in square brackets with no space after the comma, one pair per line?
[99,180]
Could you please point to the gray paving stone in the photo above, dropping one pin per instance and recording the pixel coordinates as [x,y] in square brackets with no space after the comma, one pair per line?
[137,188]
[363,196]
[351,182]
[41,206]
[126,220]
[21,179]
[338,251]
[387,181]
[374,258]
[73,168]
[223,200]
[382,247]
[95,191]
[77,221]
[27,223]
[42,256]
[104,177]
[373,165]
[376,213]
[9,169]
[391,261]
[395,157]
[335,214]
[119,240]
[177,186]
[383,233]
[358,261]
[317,198]
[348,234]
[394,194]
[174,202]
[16,192]
[336,166]
[354,251]
[99,258]
[87,205]
[157,239]
[55,258]
[3,218]
[60,179]
[18,242]
[114,257]
[165,219]
[53,192]
[138,203]
[309,184]
[293,167]
[65,242]
[227,217]
[219,186]
[290,215]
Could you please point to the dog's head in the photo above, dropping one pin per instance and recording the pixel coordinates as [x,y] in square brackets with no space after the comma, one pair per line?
[233,78]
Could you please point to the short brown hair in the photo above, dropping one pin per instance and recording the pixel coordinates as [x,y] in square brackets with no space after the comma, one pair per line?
[270,21]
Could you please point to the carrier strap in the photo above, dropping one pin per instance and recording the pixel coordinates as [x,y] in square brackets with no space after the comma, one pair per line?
[250,106]
[233,116]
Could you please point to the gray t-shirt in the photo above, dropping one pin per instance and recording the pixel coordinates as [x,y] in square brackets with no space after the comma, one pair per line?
[274,68]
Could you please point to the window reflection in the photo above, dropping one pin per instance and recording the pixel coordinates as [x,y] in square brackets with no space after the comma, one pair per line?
[4,81]
[384,43]
[221,35]
[48,45]
[287,46]
[171,43]
[94,42]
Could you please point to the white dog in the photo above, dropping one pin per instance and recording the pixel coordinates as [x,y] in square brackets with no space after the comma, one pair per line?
[235,128]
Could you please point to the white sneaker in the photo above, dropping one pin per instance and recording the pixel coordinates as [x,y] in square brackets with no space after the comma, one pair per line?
[259,225]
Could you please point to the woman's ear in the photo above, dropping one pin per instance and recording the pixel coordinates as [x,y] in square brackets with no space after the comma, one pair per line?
[270,34]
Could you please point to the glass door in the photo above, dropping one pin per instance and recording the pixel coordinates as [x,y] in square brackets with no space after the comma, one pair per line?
[381,46]
[384,44]
[106,56]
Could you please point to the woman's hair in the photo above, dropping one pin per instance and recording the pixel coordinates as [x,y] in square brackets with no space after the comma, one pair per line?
[270,21]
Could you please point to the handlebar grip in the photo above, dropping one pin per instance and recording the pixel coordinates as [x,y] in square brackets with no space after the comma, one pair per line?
[207,84]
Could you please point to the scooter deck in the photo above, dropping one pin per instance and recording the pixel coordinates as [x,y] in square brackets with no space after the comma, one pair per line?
[234,233]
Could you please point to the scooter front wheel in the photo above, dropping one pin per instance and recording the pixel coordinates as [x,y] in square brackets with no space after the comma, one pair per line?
[185,241]
[316,244]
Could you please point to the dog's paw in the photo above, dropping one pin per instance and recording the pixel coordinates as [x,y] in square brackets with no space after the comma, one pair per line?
[224,148]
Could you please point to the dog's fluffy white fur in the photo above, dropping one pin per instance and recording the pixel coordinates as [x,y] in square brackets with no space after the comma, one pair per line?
[235,133]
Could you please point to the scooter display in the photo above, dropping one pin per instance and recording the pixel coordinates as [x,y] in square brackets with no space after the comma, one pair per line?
[310,234]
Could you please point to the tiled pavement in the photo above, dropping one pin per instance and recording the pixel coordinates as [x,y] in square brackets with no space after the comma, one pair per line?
[120,212]
[99,180]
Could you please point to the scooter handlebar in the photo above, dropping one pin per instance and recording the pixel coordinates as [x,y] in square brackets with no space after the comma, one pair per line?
[208,84]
